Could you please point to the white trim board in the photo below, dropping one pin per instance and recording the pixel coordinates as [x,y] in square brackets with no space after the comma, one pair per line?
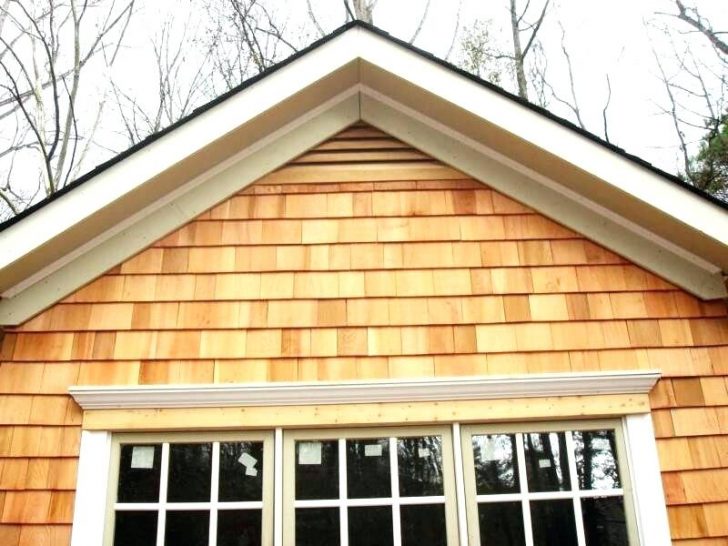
[60,236]
[620,235]
[649,498]
[89,512]
[174,210]
[359,392]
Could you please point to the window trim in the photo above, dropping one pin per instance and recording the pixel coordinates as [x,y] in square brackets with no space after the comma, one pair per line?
[213,505]
[626,492]
[647,496]
[450,487]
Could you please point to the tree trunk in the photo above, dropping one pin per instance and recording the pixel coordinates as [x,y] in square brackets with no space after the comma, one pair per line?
[518,53]
[363,10]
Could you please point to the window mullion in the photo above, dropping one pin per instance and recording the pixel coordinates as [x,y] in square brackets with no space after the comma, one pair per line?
[460,484]
[163,477]
[394,475]
[575,487]
[343,495]
[214,496]
[521,452]
[278,487]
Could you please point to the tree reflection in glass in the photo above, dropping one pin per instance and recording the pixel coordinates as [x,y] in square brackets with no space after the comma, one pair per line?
[420,466]
[596,460]
[547,463]
[496,467]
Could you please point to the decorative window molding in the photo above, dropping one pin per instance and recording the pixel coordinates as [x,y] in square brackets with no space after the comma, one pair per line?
[359,392]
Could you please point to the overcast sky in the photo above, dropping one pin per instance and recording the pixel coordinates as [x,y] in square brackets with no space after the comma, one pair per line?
[615,37]
[602,38]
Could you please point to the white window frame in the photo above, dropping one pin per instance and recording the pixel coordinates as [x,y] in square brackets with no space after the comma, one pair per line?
[647,496]
[447,499]
[641,449]
[524,496]
[162,506]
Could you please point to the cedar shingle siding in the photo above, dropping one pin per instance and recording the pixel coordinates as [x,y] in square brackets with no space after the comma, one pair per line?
[364,259]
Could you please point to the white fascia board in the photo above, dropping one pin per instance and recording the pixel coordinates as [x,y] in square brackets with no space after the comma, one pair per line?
[548,135]
[151,160]
[575,211]
[141,229]
[359,392]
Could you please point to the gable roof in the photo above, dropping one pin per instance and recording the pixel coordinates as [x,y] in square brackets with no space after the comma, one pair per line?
[361,73]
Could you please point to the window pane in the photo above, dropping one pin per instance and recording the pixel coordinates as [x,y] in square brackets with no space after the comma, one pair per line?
[604,522]
[420,466]
[139,467]
[188,528]
[423,525]
[553,523]
[241,471]
[596,459]
[239,528]
[370,526]
[546,461]
[189,472]
[317,527]
[135,529]
[317,469]
[367,468]
[496,469]
[501,524]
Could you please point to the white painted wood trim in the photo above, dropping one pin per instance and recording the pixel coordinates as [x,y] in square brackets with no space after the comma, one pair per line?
[547,134]
[350,392]
[175,209]
[649,498]
[189,138]
[461,504]
[708,221]
[575,211]
[89,512]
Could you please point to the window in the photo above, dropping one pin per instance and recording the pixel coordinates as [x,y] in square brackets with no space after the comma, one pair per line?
[382,487]
[543,485]
[533,485]
[174,490]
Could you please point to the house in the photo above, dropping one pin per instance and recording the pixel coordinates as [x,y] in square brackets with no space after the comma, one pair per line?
[366,299]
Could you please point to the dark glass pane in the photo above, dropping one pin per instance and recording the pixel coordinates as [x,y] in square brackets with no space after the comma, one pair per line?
[501,524]
[370,526]
[239,528]
[423,525]
[496,467]
[189,472]
[317,527]
[420,466]
[139,467]
[241,471]
[317,469]
[135,529]
[604,521]
[367,468]
[547,465]
[187,528]
[596,459]
[553,523]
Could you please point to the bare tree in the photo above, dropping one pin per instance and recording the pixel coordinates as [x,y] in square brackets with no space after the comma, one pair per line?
[363,10]
[692,17]
[182,83]
[45,49]
[696,87]
[484,52]
[520,26]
